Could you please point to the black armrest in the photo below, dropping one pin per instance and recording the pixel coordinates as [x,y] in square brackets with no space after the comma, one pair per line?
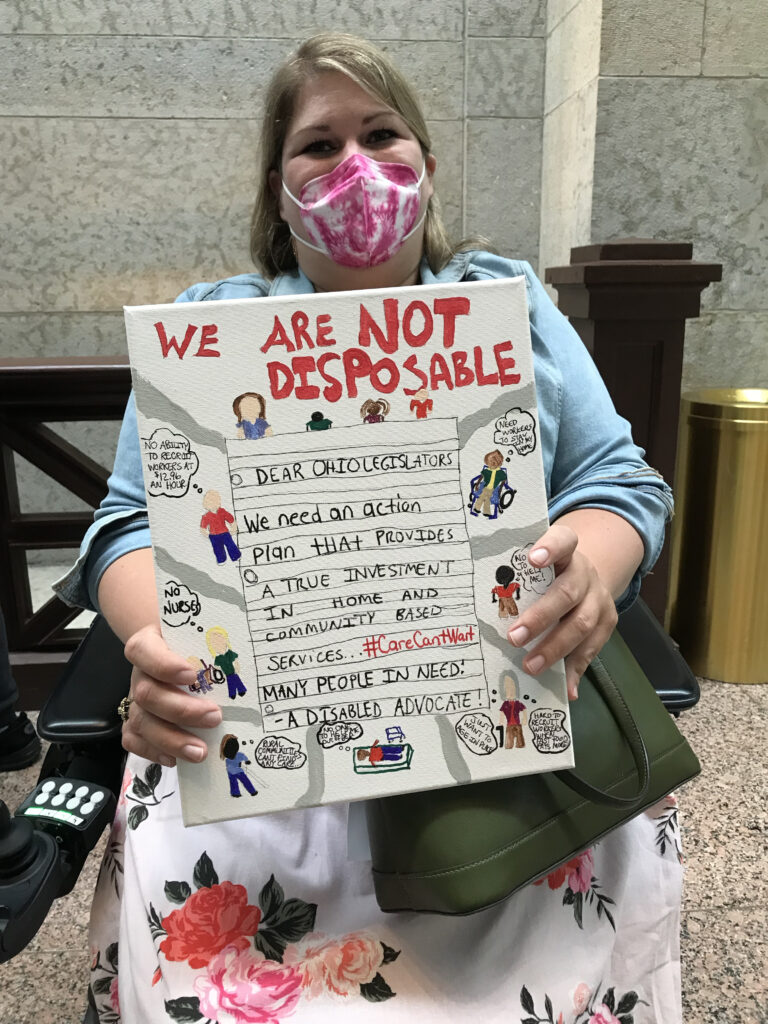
[658,656]
[83,707]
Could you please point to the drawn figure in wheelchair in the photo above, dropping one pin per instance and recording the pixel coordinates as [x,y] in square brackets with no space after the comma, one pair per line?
[489,492]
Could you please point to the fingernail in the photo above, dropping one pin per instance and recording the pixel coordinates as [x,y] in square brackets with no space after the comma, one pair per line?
[192,753]
[211,719]
[187,676]
[519,635]
[533,666]
[539,556]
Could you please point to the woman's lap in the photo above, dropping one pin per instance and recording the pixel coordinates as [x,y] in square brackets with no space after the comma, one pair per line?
[266,919]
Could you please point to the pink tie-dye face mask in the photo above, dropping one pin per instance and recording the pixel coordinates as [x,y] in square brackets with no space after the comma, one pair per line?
[361,212]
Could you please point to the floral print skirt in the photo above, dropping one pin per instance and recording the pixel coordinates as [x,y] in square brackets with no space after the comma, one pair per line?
[266,920]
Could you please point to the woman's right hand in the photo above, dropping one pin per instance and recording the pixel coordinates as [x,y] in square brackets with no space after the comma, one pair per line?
[161,710]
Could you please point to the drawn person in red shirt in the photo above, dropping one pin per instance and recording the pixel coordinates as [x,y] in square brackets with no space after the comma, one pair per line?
[214,526]
[422,404]
[513,714]
[379,753]
[506,591]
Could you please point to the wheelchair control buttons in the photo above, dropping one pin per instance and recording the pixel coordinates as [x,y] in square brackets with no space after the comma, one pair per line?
[87,808]
[41,798]
[81,791]
[97,797]
[57,800]
[73,802]
[48,786]
[65,787]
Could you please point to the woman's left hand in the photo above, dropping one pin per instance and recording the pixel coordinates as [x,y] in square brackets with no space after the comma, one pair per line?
[578,606]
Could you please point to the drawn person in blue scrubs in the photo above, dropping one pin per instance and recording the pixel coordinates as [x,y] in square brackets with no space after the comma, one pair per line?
[234,759]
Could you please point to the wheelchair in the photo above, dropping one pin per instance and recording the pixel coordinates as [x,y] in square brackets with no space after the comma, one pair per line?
[503,497]
[44,845]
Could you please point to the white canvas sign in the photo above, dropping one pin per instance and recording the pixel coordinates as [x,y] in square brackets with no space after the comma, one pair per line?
[342,490]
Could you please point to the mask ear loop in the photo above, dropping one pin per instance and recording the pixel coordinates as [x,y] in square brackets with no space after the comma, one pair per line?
[423,217]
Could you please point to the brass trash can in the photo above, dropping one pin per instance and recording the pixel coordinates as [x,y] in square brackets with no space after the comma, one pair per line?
[718,607]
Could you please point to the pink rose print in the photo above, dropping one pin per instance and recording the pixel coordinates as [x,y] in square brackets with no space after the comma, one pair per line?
[113,997]
[242,987]
[339,966]
[603,1016]
[127,780]
[581,997]
[211,919]
[580,873]
[575,870]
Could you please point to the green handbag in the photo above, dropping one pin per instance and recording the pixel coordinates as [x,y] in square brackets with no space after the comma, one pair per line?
[460,850]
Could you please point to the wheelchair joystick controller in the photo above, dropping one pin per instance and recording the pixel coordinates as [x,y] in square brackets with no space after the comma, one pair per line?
[29,881]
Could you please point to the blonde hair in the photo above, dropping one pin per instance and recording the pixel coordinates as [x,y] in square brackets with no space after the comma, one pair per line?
[373,71]
[215,631]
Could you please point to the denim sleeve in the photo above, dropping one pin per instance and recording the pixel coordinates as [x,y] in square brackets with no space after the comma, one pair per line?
[595,462]
[120,524]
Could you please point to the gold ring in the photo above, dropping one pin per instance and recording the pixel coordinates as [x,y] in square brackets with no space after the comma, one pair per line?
[124,708]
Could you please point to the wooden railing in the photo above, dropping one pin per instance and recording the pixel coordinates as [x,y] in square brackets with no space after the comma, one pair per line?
[33,393]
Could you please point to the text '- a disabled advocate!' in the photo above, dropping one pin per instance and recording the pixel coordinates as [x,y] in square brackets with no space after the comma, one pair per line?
[357,573]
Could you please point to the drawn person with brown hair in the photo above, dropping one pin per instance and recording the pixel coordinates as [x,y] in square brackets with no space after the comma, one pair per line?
[507,590]
[487,487]
[373,410]
[251,411]
[234,759]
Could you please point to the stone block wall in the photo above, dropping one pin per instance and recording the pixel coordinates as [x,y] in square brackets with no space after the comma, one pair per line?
[666,136]
[128,148]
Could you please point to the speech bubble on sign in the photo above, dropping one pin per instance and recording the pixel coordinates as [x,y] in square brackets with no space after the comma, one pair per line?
[279,752]
[180,604]
[333,734]
[169,462]
[477,733]
[549,735]
[516,431]
[533,579]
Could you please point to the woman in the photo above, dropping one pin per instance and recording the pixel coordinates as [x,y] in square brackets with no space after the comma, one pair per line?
[269,919]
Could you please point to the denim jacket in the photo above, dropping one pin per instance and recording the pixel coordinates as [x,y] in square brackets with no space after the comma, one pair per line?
[589,458]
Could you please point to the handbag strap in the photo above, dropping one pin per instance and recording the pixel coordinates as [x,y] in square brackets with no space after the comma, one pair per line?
[628,727]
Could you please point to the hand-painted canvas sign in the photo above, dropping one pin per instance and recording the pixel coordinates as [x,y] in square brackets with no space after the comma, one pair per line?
[342,491]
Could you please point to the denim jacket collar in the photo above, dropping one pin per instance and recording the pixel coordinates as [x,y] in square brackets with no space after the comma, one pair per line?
[297,282]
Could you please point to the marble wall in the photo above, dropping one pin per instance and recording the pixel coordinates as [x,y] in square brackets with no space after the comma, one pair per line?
[128,148]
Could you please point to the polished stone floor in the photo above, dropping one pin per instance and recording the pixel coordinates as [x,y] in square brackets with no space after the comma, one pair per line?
[725,912]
